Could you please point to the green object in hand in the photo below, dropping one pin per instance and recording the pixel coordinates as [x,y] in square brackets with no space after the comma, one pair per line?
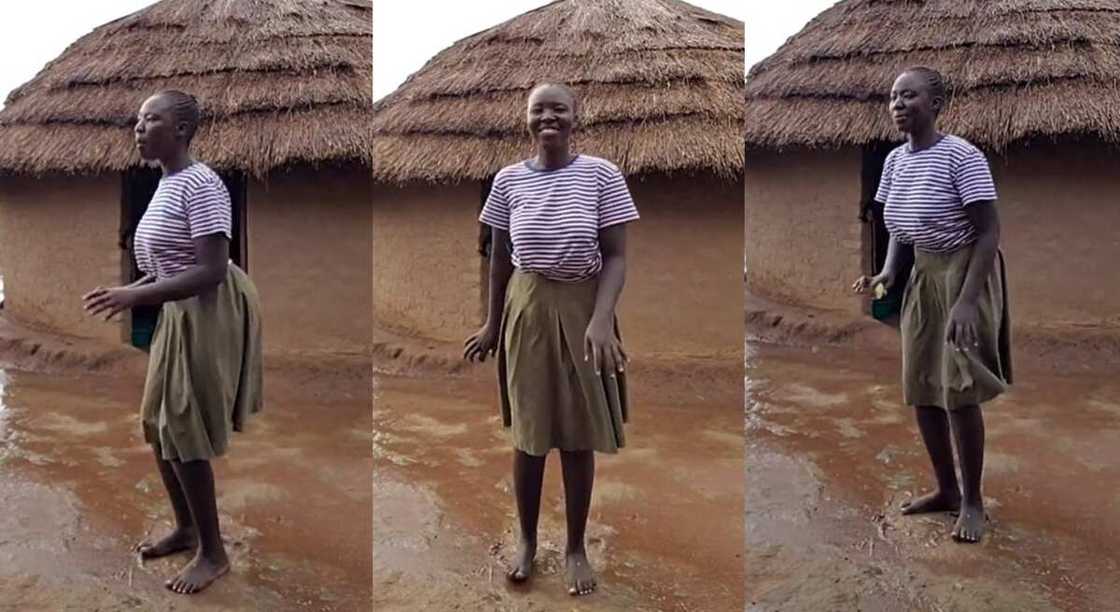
[880,291]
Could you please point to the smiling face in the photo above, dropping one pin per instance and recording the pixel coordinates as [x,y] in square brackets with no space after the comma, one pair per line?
[551,115]
[914,105]
[158,132]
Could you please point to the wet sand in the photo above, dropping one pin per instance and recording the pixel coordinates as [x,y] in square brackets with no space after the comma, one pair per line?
[80,488]
[666,525]
[831,453]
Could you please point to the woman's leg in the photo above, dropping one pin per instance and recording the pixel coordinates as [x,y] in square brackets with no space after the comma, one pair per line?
[934,425]
[579,478]
[211,561]
[184,536]
[528,475]
[968,427]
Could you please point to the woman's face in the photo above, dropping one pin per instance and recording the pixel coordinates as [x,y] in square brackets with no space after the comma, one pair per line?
[912,105]
[157,134]
[551,115]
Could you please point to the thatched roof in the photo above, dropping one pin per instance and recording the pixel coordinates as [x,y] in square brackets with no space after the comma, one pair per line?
[660,83]
[1017,70]
[281,82]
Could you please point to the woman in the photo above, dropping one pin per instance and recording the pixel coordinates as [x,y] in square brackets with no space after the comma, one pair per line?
[556,271]
[204,371]
[939,199]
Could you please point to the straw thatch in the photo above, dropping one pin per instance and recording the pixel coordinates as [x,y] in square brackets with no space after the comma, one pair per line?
[1017,69]
[281,82]
[660,84]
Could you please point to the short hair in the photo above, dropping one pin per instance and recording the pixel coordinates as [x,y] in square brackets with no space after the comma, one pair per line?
[562,87]
[185,109]
[934,80]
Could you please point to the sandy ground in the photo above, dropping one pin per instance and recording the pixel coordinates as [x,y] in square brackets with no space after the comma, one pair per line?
[831,453]
[79,488]
[666,526]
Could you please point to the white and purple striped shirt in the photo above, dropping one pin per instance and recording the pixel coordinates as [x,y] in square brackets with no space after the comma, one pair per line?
[554,216]
[925,193]
[188,204]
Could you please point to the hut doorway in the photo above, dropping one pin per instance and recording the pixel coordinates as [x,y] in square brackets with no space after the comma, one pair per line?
[137,188]
[875,235]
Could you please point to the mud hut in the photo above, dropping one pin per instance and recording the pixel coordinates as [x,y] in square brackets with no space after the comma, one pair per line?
[286,89]
[661,86]
[1034,83]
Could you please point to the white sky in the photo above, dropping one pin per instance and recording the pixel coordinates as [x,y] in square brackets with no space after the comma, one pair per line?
[34,32]
[769,24]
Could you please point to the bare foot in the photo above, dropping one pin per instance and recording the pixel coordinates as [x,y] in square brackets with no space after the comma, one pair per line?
[970,524]
[522,567]
[937,501]
[179,540]
[199,574]
[581,580]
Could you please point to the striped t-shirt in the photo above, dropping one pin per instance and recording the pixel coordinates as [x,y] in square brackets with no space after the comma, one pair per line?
[554,216]
[188,204]
[925,193]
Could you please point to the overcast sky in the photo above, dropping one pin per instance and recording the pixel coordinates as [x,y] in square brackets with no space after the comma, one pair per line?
[34,32]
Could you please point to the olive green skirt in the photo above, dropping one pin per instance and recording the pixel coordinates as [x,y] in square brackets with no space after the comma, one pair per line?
[551,396]
[204,371]
[935,373]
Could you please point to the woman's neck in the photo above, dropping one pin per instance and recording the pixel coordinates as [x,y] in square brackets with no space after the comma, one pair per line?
[924,138]
[176,162]
[551,158]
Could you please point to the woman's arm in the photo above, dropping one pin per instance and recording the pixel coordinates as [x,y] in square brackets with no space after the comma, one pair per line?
[612,243]
[985,219]
[485,341]
[898,256]
[601,342]
[212,254]
[144,280]
[964,318]
[501,268]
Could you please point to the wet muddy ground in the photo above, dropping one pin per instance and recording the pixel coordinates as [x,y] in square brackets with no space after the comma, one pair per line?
[666,525]
[78,488]
[831,453]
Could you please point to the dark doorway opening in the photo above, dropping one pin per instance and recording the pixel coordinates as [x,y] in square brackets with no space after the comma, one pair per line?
[876,236]
[138,185]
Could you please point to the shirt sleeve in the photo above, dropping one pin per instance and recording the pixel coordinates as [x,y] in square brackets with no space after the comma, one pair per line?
[884,190]
[495,212]
[209,210]
[616,206]
[972,178]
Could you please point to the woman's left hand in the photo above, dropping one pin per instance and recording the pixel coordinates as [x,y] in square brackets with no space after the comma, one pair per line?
[964,326]
[601,345]
[108,302]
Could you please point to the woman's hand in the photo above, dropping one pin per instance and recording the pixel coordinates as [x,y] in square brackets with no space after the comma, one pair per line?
[885,279]
[601,346]
[108,302]
[963,330]
[484,342]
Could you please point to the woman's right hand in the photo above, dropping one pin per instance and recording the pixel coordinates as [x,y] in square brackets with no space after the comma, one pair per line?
[884,278]
[482,343]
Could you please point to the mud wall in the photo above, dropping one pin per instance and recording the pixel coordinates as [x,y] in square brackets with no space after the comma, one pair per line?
[684,283]
[803,236]
[58,240]
[427,271]
[1060,210]
[309,241]
[684,276]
